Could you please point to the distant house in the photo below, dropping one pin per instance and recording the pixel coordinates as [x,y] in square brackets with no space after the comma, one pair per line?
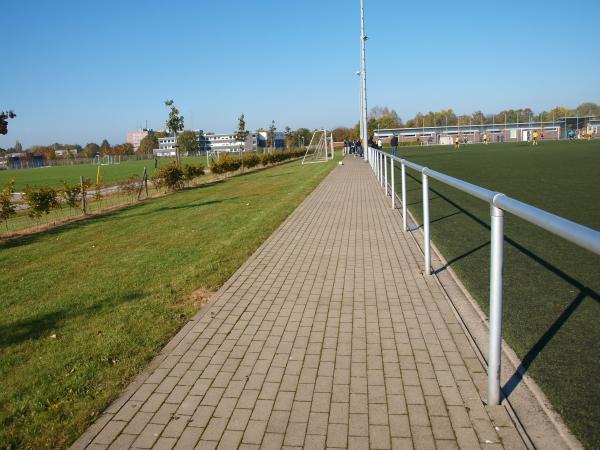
[65,152]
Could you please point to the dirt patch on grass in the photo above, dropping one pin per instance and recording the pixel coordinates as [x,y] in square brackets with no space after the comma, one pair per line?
[199,297]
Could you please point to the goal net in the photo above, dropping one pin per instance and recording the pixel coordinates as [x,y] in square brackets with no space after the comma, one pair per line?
[320,148]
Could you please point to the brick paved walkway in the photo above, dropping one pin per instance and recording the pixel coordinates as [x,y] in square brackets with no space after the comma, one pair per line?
[329,336]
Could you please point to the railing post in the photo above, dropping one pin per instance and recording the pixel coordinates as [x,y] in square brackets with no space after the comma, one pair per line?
[403,167]
[393,184]
[381,169]
[385,164]
[426,241]
[496,269]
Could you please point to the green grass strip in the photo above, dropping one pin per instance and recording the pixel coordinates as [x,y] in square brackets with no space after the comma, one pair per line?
[87,305]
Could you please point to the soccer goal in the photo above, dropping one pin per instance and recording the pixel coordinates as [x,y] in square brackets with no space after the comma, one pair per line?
[107,160]
[320,148]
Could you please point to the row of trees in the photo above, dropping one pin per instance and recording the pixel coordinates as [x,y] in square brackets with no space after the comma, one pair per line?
[51,152]
[383,117]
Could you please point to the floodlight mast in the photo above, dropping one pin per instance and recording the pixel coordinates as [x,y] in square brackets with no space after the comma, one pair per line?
[363,79]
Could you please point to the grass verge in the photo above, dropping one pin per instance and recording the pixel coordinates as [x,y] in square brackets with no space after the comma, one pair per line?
[551,287]
[86,306]
[109,174]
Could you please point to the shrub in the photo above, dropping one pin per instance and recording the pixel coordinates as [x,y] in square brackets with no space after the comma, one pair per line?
[191,171]
[251,160]
[71,194]
[131,185]
[97,192]
[168,177]
[225,164]
[40,200]
[7,209]
[266,159]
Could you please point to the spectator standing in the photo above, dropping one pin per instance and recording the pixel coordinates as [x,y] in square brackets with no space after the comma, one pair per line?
[394,144]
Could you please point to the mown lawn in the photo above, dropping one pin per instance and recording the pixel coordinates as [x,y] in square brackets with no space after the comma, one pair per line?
[86,306]
[54,176]
[551,287]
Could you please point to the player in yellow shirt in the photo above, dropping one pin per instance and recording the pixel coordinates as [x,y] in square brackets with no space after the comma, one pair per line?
[535,137]
[456,142]
[485,138]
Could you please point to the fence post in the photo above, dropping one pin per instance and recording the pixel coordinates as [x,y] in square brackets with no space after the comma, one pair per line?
[83,200]
[385,164]
[393,185]
[403,167]
[496,269]
[426,241]
[381,169]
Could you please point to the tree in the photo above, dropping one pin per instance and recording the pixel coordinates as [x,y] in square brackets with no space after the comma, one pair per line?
[242,134]
[18,147]
[123,149]
[588,108]
[105,148]
[341,134]
[174,124]
[91,149]
[7,208]
[289,137]
[4,116]
[148,144]
[187,142]
[302,136]
[271,134]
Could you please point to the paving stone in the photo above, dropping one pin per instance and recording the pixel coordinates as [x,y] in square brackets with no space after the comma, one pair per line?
[329,336]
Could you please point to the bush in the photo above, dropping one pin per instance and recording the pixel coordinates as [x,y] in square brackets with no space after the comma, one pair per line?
[251,160]
[71,194]
[131,186]
[168,177]
[225,164]
[40,200]
[191,171]
[7,209]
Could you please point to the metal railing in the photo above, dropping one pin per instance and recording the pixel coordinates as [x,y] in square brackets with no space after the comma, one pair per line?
[583,236]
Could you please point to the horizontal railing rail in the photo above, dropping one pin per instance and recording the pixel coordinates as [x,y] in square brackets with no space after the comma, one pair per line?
[581,235]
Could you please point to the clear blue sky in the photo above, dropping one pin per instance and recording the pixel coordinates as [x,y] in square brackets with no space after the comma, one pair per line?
[80,71]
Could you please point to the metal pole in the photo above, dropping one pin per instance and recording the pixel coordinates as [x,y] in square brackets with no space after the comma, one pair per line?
[495,342]
[385,164]
[381,167]
[393,185]
[363,67]
[426,243]
[403,167]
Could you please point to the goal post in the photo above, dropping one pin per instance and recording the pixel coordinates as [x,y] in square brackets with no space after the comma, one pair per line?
[320,148]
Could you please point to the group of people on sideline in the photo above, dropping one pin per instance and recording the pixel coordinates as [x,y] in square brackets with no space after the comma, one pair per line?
[353,147]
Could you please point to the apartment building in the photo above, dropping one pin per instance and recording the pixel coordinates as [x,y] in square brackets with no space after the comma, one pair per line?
[223,142]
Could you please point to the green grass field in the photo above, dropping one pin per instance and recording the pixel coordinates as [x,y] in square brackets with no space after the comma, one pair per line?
[54,176]
[551,287]
[86,306]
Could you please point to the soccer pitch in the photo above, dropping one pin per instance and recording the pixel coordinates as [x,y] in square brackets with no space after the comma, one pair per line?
[551,287]
[112,173]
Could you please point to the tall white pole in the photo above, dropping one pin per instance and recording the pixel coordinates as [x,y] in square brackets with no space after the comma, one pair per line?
[363,71]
